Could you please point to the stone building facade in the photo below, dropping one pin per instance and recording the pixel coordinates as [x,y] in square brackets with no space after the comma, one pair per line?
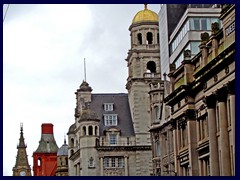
[110,135]
[202,101]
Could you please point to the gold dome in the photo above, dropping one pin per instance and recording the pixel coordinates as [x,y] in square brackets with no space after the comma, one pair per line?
[145,15]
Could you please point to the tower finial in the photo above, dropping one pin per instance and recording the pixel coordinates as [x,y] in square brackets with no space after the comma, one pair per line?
[85,79]
[64,138]
[21,126]
[145,6]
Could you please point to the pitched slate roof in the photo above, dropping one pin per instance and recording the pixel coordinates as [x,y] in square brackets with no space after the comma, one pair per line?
[121,108]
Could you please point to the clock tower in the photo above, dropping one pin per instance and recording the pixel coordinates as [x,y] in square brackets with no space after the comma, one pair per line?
[22,167]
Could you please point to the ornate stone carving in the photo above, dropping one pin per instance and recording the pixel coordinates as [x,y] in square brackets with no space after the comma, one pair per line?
[182,123]
[187,54]
[221,94]
[204,37]
[214,27]
[190,114]
[172,67]
[210,101]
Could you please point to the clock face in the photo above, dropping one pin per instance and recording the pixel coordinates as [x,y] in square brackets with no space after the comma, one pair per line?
[22,173]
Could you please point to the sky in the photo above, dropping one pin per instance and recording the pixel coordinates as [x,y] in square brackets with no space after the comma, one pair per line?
[44,47]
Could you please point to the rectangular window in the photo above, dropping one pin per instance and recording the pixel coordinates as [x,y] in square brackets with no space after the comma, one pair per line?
[113,162]
[204,24]
[120,162]
[110,119]
[113,139]
[158,149]
[108,106]
[106,162]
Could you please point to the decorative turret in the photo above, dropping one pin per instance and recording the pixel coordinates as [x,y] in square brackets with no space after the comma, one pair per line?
[45,157]
[22,167]
[62,160]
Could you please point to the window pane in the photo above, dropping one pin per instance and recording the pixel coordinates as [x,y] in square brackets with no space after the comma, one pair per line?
[113,139]
[196,24]
[120,162]
[204,24]
[113,162]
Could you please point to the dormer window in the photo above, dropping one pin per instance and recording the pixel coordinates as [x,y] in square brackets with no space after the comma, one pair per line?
[108,106]
[110,119]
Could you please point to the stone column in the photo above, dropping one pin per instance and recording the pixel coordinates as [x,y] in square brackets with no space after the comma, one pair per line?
[212,130]
[192,142]
[175,149]
[231,91]
[101,165]
[78,169]
[126,165]
[75,170]
[177,165]
[224,136]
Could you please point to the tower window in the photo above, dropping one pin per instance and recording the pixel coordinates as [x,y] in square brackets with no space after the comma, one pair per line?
[158,38]
[84,130]
[66,161]
[151,66]
[39,161]
[156,111]
[149,38]
[139,36]
[96,130]
[91,162]
[72,142]
[90,130]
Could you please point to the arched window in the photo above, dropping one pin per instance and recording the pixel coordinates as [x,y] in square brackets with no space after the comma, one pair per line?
[151,66]
[156,113]
[90,130]
[149,38]
[96,130]
[158,38]
[72,142]
[84,130]
[72,151]
[60,161]
[139,36]
[66,161]
[91,162]
[158,152]
[39,162]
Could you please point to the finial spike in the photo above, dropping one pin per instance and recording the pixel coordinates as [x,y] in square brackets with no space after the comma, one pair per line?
[21,126]
[64,138]
[85,79]
[145,6]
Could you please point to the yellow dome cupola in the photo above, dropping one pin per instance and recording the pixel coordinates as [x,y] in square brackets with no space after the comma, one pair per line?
[145,15]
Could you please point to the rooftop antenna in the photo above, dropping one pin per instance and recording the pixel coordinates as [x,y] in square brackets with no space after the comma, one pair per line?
[64,138]
[21,126]
[85,79]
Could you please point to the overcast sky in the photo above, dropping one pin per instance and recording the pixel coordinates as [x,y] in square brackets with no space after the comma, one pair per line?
[44,47]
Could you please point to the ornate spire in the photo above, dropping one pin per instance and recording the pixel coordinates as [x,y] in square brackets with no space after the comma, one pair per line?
[21,139]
